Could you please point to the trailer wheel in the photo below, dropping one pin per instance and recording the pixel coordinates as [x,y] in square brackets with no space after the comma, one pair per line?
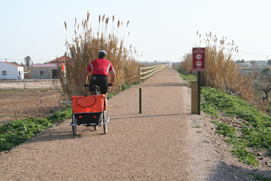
[96,127]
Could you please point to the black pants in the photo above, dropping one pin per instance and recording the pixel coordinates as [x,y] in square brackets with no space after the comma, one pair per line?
[101,81]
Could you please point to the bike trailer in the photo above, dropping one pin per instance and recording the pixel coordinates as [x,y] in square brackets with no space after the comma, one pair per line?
[87,109]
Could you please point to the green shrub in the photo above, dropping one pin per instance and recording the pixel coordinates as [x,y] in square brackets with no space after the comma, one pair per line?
[224,129]
[259,177]
[187,77]
[245,157]
[16,132]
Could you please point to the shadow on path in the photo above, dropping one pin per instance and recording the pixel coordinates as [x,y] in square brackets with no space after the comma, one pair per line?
[163,85]
[82,131]
[235,172]
[147,116]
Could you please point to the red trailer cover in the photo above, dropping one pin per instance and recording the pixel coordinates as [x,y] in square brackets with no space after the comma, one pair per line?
[88,104]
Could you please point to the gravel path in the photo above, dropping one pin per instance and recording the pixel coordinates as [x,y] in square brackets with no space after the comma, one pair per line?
[162,143]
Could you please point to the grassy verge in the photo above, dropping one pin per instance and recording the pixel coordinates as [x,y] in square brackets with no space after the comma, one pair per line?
[259,177]
[254,130]
[187,77]
[17,132]
[256,126]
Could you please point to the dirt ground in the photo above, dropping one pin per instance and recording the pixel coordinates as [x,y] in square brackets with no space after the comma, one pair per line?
[165,142]
[29,84]
[30,103]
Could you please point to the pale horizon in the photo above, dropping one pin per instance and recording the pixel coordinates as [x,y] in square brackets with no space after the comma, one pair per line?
[159,30]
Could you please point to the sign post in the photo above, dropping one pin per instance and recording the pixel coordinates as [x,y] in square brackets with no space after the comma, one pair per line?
[198,64]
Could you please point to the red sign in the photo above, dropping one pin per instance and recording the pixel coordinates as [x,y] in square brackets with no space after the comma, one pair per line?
[198,59]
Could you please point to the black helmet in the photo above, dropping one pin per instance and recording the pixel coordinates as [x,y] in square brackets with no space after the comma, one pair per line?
[102,54]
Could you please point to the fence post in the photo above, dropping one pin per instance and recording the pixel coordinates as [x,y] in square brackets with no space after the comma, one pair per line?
[138,75]
[140,101]
[199,92]
[194,97]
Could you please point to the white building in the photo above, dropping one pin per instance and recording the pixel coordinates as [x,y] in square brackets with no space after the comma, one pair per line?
[11,71]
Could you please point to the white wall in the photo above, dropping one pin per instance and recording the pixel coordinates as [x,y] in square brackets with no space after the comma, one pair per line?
[12,71]
[21,70]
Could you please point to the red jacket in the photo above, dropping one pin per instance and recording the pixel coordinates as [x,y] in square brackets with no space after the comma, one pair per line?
[100,66]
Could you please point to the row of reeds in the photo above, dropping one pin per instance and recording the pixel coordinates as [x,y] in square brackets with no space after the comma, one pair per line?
[221,70]
[84,48]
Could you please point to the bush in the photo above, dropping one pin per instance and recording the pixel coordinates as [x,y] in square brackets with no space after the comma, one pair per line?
[85,47]
[221,71]
[224,129]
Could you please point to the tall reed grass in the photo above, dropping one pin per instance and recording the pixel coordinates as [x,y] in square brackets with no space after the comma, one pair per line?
[221,70]
[85,47]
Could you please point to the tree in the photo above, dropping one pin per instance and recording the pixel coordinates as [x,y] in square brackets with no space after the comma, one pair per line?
[14,63]
[27,60]
[253,62]
[269,62]
[265,71]
[241,61]
[265,90]
[263,86]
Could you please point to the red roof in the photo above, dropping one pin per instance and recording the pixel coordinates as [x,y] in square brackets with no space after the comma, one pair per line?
[46,65]
[13,64]
[62,59]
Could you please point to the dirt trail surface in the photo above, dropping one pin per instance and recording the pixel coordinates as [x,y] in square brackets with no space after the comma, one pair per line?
[162,143]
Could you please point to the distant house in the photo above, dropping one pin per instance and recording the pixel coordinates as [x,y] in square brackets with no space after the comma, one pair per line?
[247,64]
[262,63]
[48,70]
[11,71]
[44,71]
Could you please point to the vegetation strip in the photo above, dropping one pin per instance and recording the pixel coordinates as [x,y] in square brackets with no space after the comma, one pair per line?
[187,77]
[259,177]
[255,126]
[17,132]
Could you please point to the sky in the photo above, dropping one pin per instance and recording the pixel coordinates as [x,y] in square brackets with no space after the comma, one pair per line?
[162,30]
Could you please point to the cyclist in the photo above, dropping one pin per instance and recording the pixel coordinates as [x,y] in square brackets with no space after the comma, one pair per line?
[99,69]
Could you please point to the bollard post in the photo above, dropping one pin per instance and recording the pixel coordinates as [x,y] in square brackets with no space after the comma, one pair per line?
[194,97]
[140,95]
[199,92]
[138,75]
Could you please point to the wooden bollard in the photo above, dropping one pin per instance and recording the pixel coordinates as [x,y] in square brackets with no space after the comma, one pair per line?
[194,97]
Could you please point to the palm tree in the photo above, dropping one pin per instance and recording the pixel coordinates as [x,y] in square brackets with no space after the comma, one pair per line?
[27,60]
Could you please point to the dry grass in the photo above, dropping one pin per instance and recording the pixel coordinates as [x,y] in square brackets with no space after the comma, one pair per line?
[221,70]
[85,47]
